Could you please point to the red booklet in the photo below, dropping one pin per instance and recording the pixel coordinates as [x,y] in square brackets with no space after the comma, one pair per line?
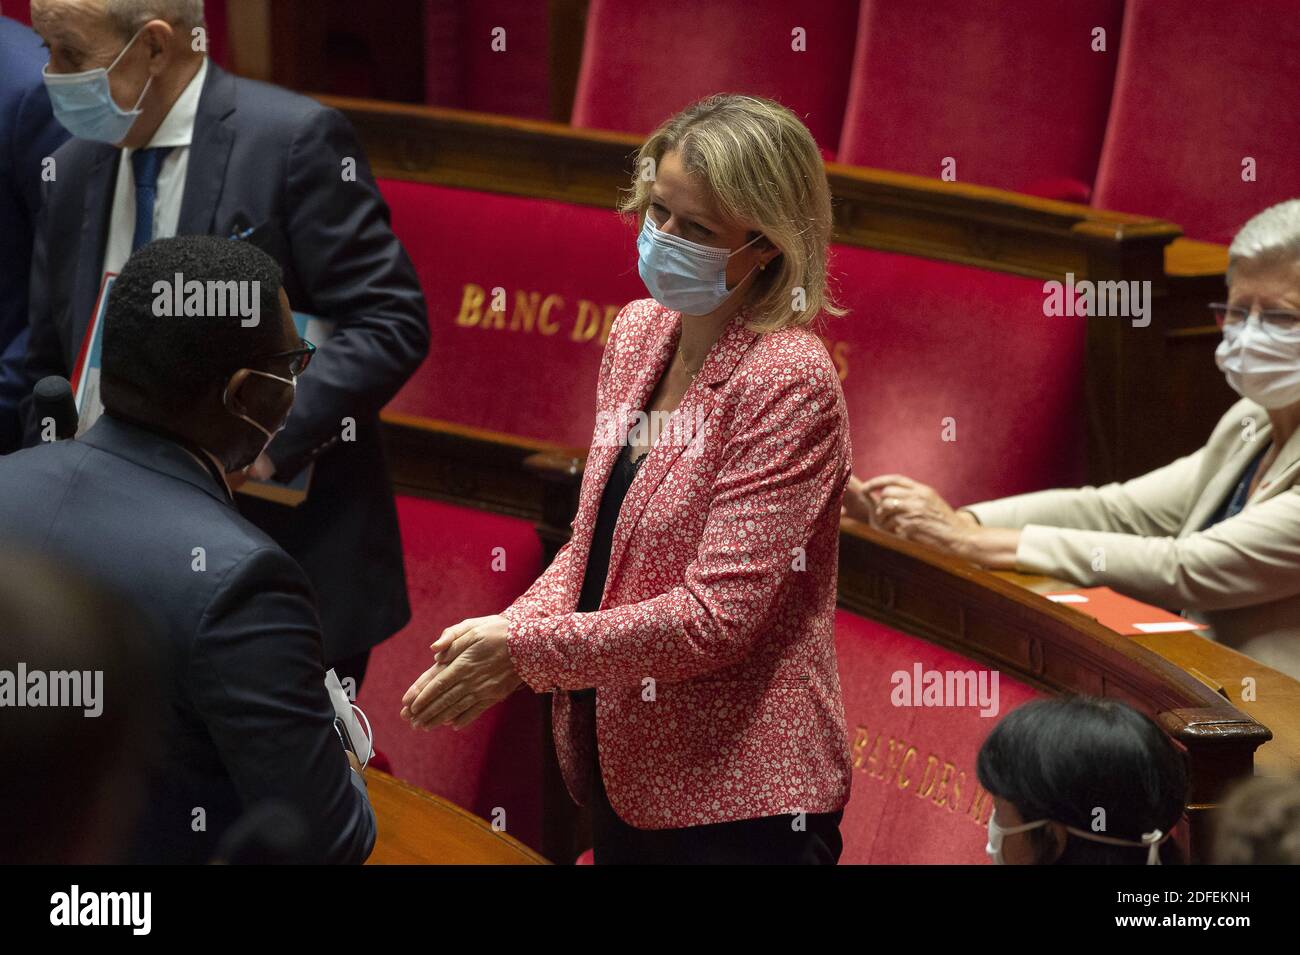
[1123,614]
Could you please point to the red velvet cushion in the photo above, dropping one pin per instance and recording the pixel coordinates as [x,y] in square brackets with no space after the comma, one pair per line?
[928,341]
[924,341]
[1010,89]
[495,763]
[463,70]
[20,10]
[527,383]
[1202,85]
[926,807]
[643,62]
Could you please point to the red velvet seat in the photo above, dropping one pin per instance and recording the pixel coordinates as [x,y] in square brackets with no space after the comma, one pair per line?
[20,10]
[565,270]
[915,796]
[1012,91]
[1202,86]
[926,342]
[463,70]
[643,62]
[495,763]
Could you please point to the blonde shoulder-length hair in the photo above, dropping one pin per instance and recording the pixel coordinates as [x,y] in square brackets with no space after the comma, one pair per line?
[763,169]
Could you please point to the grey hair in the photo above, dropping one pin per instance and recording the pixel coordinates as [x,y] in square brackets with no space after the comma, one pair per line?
[130,15]
[1273,233]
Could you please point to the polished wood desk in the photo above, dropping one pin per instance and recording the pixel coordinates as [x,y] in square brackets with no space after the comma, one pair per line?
[1277,696]
[419,828]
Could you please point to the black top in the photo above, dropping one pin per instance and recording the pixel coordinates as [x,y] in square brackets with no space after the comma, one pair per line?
[1232,505]
[602,541]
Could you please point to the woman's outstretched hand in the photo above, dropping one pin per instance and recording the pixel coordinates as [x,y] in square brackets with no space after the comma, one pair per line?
[472,671]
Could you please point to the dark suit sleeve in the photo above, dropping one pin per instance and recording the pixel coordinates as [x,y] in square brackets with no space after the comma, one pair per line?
[258,684]
[44,355]
[37,134]
[356,274]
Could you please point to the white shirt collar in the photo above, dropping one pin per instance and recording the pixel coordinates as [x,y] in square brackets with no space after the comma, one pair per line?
[177,127]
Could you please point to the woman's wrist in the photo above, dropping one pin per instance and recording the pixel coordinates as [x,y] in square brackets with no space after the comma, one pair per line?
[991,547]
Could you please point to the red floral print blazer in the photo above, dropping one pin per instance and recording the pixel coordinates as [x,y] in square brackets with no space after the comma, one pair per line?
[713,652]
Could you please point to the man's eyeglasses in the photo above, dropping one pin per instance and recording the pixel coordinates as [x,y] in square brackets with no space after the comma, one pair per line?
[301,357]
[1272,319]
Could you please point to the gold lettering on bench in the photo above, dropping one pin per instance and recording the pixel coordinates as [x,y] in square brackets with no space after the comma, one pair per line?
[940,782]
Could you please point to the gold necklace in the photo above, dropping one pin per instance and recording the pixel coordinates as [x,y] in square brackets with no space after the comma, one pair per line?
[689,372]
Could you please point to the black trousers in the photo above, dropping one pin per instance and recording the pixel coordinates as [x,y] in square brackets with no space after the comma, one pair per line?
[767,840]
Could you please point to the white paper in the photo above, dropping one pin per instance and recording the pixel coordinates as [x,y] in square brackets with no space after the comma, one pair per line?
[1171,626]
[344,711]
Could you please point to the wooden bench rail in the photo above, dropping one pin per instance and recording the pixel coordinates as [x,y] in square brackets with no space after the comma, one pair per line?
[874,208]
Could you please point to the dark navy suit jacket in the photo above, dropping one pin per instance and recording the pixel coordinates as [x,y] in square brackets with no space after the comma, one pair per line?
[274,162]
[248,717]
[28,134]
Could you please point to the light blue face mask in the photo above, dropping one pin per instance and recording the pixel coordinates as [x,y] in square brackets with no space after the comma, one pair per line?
[83,102]
[682,275]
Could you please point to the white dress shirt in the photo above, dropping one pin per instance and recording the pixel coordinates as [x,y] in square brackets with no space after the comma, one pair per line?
[177,131]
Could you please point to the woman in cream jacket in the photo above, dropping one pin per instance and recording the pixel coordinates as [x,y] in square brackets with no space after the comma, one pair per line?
[1215,534]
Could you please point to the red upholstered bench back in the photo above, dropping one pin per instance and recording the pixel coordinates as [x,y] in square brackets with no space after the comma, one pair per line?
[930,351]
[1011,91]
[494,764]
[1203,87]
[563,272]
[915,796]
[954,376]
[642,62]
[468,64]
[20,10]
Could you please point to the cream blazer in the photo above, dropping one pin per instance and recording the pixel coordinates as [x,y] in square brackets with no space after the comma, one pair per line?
[1143,538]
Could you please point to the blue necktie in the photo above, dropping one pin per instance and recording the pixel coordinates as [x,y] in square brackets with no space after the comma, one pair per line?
[145,163]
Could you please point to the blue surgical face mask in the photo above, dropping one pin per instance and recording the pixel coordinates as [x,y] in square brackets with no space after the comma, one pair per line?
[681,275]
[83,102]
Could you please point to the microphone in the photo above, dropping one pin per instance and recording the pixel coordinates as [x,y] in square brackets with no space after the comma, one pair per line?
[52,400]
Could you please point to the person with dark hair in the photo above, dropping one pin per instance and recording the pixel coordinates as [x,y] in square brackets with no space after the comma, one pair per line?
[77,770]
[1082,781]
[192,393]
[1259,823]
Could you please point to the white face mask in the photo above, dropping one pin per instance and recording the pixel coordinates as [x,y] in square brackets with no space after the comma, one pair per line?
[993,849]
[1260,364]
[270,435]
[1151,840]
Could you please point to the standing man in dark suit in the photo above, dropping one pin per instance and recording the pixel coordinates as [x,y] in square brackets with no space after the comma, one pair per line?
[28,134]
[141,504]
[169,144]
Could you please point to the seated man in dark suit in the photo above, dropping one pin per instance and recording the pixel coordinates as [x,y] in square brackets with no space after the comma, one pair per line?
[141,502]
